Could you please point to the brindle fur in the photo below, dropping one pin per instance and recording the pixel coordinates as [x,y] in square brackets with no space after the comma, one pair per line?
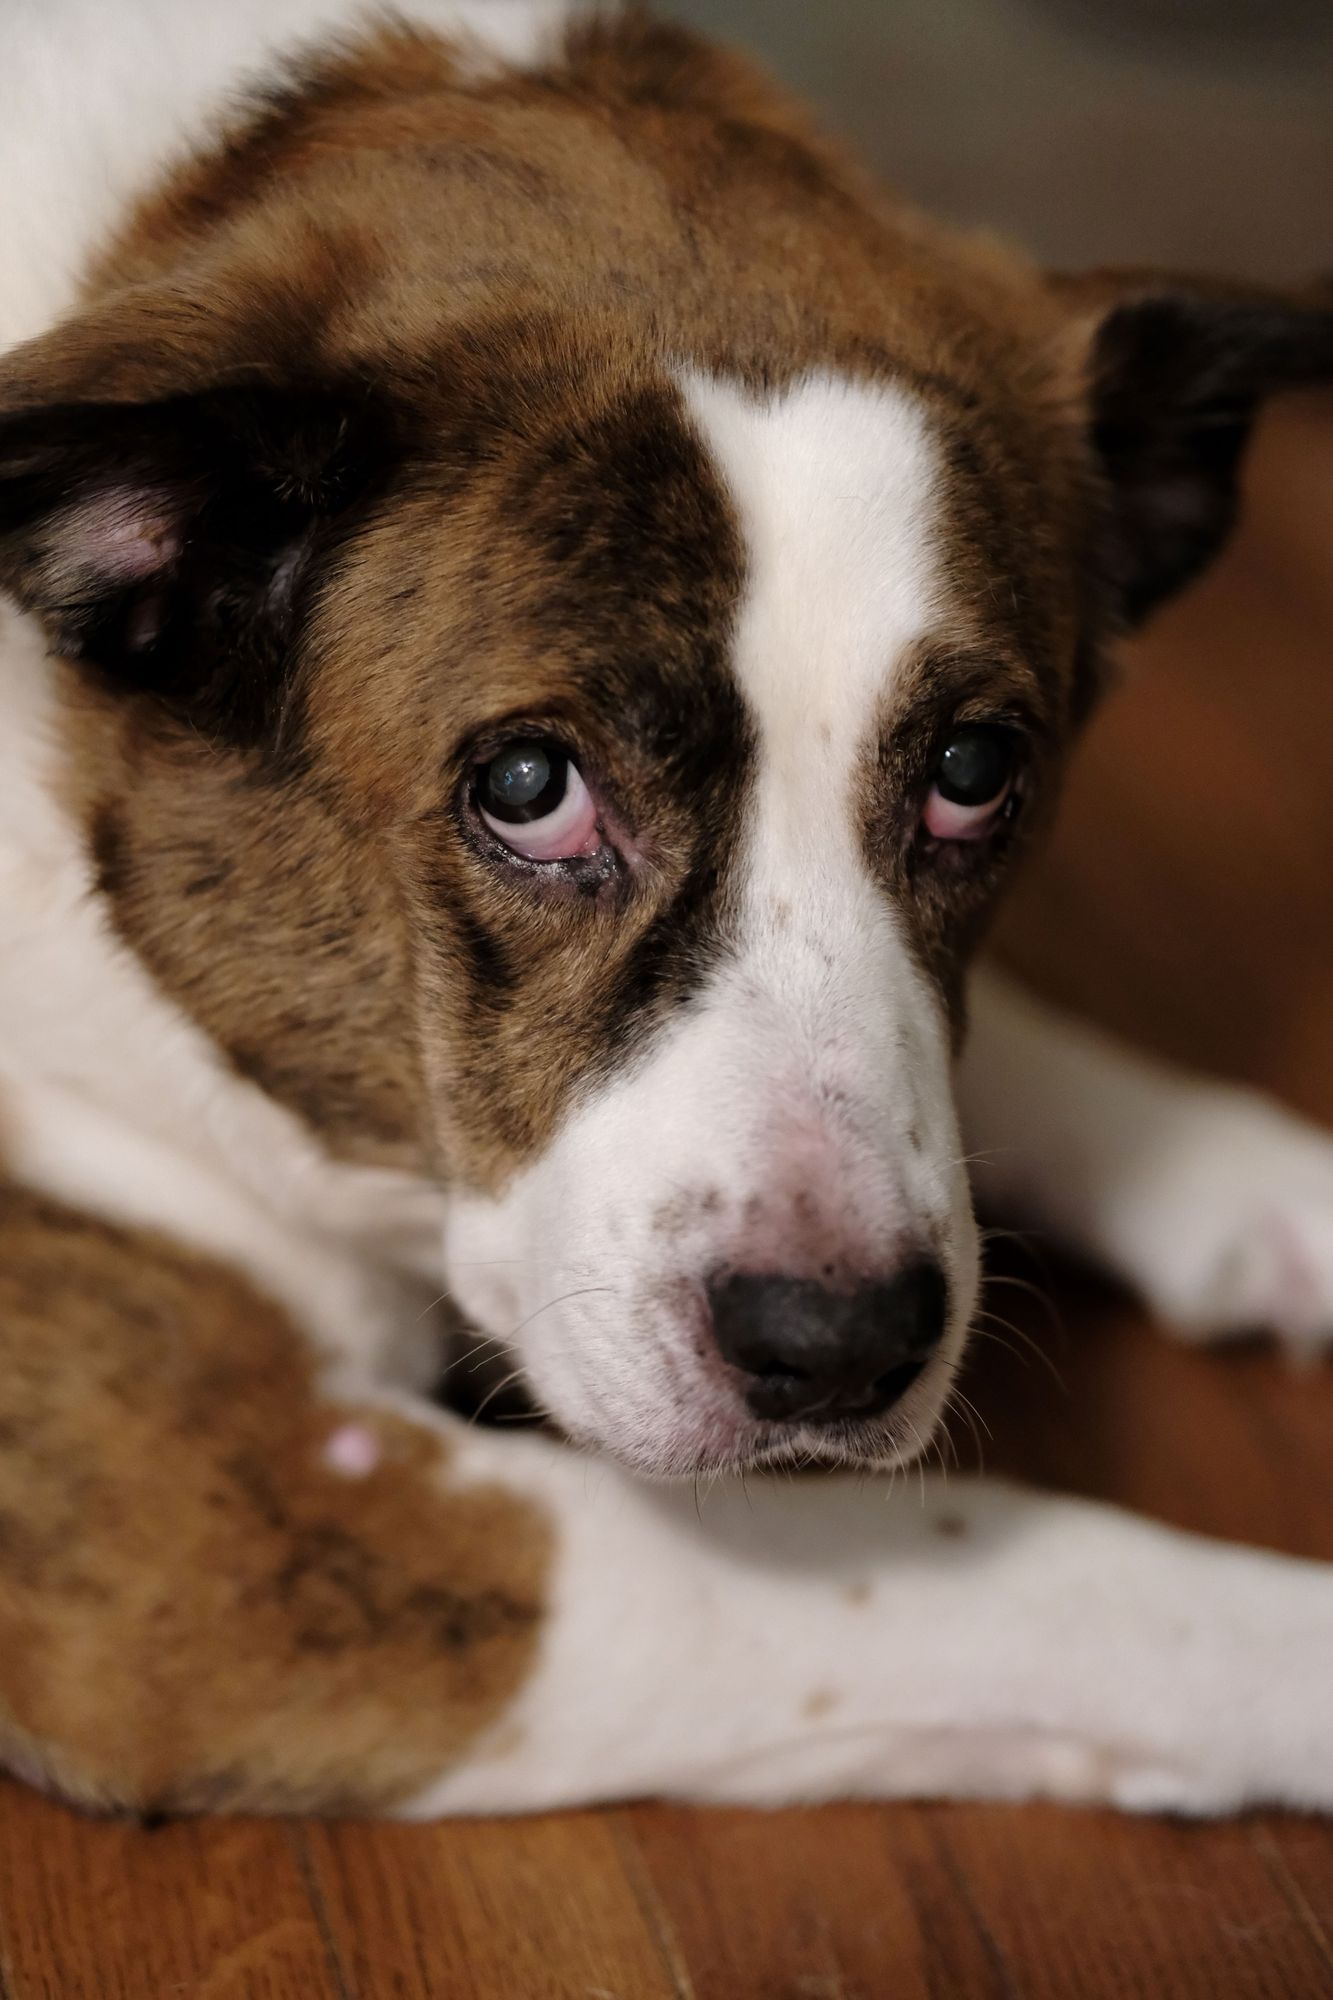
[396,362]
[397,357]
[195,1610]
[537,536]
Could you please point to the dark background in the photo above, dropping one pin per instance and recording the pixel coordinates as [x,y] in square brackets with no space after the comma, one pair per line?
[1093,130]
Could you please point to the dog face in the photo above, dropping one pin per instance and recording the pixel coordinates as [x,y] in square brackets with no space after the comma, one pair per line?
[749,1228]
[562,722]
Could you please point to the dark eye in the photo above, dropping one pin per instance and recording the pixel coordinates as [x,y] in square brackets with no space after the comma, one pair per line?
[973,782]
[533,798]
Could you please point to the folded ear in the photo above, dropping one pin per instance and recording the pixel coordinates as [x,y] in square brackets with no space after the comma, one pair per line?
[167,500]
[1171,375]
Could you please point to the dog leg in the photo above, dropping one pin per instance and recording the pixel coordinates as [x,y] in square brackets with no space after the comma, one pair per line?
[226,1584]
[223,1587]
[1213,1202]
[828,1638]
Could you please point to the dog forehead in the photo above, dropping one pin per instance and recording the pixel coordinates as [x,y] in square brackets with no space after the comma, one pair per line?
[834,485]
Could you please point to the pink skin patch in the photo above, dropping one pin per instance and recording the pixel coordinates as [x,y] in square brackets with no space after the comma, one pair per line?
[353,1450]
[943,820]
[127,533]
[561,835]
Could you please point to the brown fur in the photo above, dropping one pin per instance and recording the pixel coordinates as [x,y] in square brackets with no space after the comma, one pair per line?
[276,931]
[508,265]
[948,892]
[420,327]
[385,380]
[325,921]
[394,361]
[195,1612]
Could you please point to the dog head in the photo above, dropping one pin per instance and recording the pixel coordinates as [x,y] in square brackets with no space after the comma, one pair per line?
[575,606]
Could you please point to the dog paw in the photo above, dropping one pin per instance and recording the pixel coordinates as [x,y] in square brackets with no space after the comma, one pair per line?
[1240,1237]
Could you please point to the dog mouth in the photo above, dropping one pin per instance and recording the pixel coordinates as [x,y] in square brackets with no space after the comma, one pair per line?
[697,1442]
[493,1393]
[880,1444]
[706,1425]
[769,1395]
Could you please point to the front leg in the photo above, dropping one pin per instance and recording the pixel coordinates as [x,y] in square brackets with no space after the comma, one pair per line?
[1214,1203]
[225,1586]
[828,1639]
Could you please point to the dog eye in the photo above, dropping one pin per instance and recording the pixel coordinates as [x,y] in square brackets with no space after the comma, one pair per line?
[533,798]
[974,781]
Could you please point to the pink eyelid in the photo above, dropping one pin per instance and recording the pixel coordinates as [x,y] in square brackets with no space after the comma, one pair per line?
[566,833]
[943,820]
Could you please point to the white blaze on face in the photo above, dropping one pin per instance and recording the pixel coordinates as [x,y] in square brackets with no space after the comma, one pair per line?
[797,1117]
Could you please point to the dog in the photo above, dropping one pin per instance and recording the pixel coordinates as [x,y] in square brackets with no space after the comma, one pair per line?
[541,611]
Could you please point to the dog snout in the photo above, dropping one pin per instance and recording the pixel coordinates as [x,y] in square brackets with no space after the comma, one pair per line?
[817,1353]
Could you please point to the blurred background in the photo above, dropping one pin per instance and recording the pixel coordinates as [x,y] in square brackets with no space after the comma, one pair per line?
[1094,130]
[1187,898]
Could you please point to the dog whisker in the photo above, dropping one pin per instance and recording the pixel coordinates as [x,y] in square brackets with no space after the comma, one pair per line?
[984,1329]
[580,1292]
[1054,1317]
[498,1388]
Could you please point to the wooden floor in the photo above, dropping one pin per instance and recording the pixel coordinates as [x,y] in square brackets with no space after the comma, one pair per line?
[1189,900]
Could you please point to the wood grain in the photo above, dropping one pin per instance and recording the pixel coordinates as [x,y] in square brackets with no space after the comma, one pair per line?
[107,1911]
[1118,1907]
[1188,900]
[545,1908]
[819,1905]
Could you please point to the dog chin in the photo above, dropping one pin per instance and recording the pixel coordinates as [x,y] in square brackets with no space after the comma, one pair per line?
[715,1448]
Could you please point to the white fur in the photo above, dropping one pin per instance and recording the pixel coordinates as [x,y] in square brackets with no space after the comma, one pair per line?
[97,96]
[111,1099]
[791,1084]
[829,1639]
[1216,1204]
[795,1642]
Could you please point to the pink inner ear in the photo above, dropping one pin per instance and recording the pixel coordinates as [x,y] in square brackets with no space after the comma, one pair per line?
[122,533]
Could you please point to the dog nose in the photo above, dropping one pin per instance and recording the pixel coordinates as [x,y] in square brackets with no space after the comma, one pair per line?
[817,1353]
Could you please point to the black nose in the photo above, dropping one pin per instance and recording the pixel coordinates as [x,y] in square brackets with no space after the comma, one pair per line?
[819,1354]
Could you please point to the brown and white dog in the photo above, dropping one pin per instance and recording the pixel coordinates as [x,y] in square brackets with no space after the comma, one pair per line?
[542,610]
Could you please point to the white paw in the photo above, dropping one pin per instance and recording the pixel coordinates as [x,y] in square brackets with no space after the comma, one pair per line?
[1231,1230]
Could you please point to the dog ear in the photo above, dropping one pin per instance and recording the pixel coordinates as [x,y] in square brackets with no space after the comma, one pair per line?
[171,484]
[1171,375]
